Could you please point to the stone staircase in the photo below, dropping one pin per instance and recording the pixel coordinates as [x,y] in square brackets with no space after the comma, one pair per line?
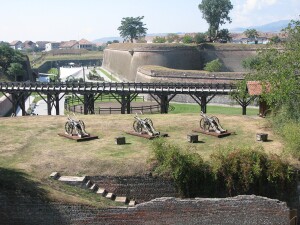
[84,182]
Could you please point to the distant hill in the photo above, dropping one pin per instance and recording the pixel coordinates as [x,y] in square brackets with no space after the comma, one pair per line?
[106,39]
[270,27]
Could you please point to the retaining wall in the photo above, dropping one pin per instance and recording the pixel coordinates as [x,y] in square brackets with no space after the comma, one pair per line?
[124,60]
[5,105]
[238,210]
[139,188]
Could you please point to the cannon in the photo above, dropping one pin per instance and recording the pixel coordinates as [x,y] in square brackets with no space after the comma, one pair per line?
[142,126]
[75,127]
[211,123]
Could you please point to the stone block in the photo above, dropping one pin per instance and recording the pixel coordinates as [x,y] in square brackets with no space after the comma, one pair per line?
[192,138]
[261,137]
[55,175]
[111,196]
[132,203]
[102,192]
[120,140]
[122,200]
[94,187]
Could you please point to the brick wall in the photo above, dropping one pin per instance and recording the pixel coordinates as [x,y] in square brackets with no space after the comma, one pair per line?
[238,210]
[139,188]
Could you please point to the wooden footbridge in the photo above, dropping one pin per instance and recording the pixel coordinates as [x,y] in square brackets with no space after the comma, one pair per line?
[124,93]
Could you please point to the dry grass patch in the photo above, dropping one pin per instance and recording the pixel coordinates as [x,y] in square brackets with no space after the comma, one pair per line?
[32,143]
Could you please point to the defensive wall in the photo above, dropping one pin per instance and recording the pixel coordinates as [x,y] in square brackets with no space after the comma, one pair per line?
[17,210]
[124,59]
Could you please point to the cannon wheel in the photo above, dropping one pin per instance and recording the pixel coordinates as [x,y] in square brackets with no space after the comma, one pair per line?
[68,128]
[137,127]
[202,123]
[216,119]
[82,124]
[150,122]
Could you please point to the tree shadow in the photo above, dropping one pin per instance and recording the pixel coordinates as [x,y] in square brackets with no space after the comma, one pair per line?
[24,201]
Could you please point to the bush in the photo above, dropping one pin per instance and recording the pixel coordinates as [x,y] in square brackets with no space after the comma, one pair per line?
[159,40]
[230,172]
[190,173]
[213,66]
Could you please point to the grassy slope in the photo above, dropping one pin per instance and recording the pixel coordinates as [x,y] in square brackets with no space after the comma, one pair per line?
[31,145]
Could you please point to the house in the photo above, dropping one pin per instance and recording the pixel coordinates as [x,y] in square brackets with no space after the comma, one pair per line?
[52,45]
[85,44]
[29,45]
[41,45]
[255,88]
[73,44]
[17,45]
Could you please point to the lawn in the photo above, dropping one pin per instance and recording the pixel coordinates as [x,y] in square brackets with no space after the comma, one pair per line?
[31,144]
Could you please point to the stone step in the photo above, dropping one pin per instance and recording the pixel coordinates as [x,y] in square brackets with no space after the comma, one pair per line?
[124,200]
[88,184]
[94,187]
[55,175]
[72,179]
[132,203]
[111,196]
[102,192]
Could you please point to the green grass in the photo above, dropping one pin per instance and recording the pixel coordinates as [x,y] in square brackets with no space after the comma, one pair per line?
[211,109]
[39,58]
[112,78]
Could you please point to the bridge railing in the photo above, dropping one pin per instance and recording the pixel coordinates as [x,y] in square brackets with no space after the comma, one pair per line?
[117,86]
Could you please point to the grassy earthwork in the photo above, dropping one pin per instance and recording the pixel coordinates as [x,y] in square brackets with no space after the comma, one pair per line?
[32,146]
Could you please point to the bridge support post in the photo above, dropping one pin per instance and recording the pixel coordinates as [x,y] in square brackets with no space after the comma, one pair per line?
[244,102]
[164,104]
[128,101]
[18,99]
[202,100]
[49,103]
[57,103]
[89,104]
[123,104]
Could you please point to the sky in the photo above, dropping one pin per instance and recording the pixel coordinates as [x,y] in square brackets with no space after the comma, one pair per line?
[62,20]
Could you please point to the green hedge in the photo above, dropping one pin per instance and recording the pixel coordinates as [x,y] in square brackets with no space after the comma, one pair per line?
[231,171]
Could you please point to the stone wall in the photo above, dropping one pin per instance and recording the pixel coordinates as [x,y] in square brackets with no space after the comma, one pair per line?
[139,188]
[5,106]
[238,210]
[124,60]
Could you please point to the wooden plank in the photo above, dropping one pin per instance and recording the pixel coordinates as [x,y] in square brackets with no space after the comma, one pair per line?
[212,133]
[145,135]
[78,139]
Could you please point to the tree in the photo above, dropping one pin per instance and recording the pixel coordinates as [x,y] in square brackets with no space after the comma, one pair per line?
[275,39]
[224,36]
[187,39]
[159,40]
[251,33]
[8,56]
[279,69]
[132,28]
[15,70]
[215,12]
[172,38]
[213,66]
[200,38]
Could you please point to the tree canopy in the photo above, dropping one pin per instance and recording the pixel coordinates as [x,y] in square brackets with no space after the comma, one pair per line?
[132,28]
[8,56]
[251,33]
[215,12]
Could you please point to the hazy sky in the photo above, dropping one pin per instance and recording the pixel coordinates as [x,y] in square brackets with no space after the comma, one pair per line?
[61,20]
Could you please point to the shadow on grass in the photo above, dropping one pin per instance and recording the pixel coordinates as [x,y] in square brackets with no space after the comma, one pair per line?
[21,197]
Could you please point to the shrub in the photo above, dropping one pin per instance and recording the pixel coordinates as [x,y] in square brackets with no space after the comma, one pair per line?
[231,171]
[190,173]
[213,66]
[159,40]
